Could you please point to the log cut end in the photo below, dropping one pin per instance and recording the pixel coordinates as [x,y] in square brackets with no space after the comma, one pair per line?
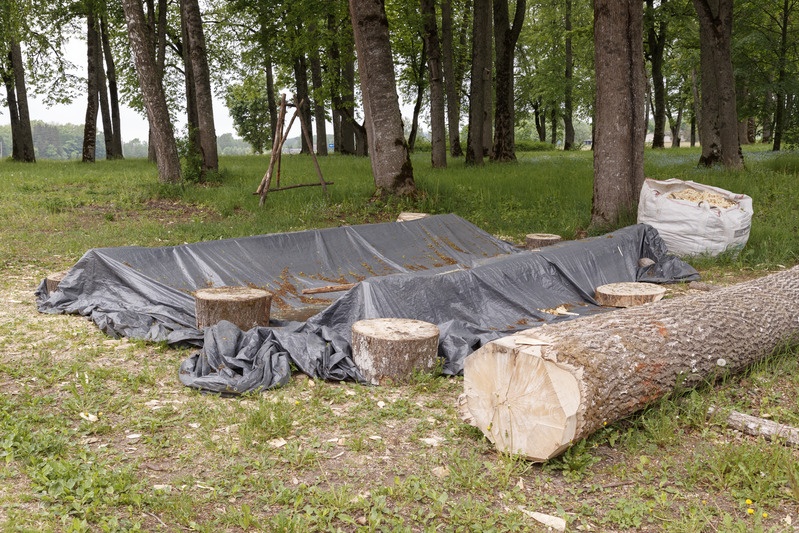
[523,403]
[407,216]
[244,306]
[628,294]
[393,348]
[534,241]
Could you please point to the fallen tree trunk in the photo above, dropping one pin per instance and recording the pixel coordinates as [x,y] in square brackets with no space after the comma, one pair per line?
[538,391]
[757,427]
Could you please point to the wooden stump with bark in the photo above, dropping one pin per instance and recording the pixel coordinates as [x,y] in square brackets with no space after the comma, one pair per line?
[244,306]
[538,391]
[52,280]
[393,348]
[534,241]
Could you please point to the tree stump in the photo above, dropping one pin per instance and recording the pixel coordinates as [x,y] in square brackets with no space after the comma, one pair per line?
[393,348]
[52,281]
[628,294]
[244,306]
[534,241]
[407,216]
[536,392]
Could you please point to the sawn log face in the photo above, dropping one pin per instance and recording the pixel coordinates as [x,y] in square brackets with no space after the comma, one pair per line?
[623,360]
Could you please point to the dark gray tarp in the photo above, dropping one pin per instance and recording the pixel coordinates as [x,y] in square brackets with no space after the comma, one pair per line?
[440,269]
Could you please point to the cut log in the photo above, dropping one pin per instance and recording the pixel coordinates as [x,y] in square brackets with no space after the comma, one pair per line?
[770,430]
[393,348]
[244,306]
[533,241]
[52,281]
[538,391]
[628,294]
[406,216]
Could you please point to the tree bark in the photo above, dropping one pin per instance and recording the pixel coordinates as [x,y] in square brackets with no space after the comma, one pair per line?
[22,135]
[417,106]
[193,147]
[568,104]
[538,391]
[271,98]
[438,138]
[619,138]
[782,77]
[388,151]
[318,104]
[393,348]
[113,92]
[152,93]
[505,37]
[719,124]
[105,107]
[451,83]
[202,86]
[656,44]
[481,61]
[301,84]
[92,91]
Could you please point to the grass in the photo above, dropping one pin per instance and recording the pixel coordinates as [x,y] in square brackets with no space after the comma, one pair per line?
[97,434]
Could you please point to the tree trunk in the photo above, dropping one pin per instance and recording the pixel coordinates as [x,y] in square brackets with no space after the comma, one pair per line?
[92,91]
[488,88]
[766,118]
[568,104]
[481,58]
[318,104]
[152,93]
[505,38]
[540,120]
[719,124]
[193,147]
[417,106]
[451,83]
[202,86]
[697,108]
[105,107]
[301,83]
[113,91]
[553,125]
[538,391]
[619,140]
[22,148]
[246,307]
[271,99]
[388,151]
[656,42]
[438,138]
[353,139]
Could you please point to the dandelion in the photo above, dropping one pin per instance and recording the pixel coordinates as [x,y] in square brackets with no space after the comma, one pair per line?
[750,511]
[765,515]
[748,501]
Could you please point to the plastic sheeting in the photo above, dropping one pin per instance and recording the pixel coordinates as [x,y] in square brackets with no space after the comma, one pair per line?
[440,269]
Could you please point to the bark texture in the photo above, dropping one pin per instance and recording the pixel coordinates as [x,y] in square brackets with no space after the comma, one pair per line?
[22,148]
[619,136]
[480,76]
[113,92]
[388,151]
[198,56]
[718,129]
[163,139]
[393,348]
[568,85]
[438,138]
[506,35]
[244,306]
[451,81]
[92,91]
[656,45]
[583,374]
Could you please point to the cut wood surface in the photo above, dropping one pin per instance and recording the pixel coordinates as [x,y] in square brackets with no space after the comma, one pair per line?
[246,307]
[407,216]
[536,392]
[393,348]
[329,288]
[52,280]
[534,241]
[628,294]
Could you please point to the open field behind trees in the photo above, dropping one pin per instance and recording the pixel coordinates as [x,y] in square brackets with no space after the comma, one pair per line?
[99,435]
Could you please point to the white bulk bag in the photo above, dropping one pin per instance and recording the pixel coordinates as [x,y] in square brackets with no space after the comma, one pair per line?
[692,219]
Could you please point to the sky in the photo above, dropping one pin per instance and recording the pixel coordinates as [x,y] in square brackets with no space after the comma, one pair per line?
[134,125]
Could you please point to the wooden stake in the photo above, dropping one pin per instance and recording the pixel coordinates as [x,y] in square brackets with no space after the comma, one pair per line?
[326,288]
